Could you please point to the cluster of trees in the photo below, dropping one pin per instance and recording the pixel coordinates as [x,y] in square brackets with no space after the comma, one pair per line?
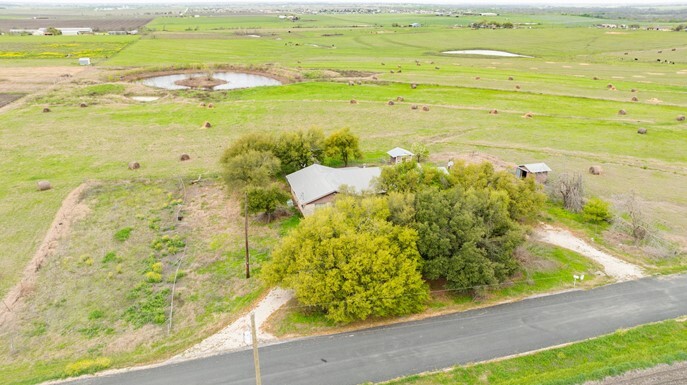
[252,162]
[462,226]
[491,24]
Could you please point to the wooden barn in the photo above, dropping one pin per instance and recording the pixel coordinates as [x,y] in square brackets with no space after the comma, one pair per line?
[539,171]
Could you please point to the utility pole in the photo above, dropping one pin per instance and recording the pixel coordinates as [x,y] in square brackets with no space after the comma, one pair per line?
[256,358]
[246,232]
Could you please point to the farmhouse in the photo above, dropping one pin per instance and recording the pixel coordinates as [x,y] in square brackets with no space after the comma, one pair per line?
[317,185]
[540,171]
[399,155]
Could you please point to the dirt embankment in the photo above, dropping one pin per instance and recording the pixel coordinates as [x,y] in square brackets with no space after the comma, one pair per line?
[72,209]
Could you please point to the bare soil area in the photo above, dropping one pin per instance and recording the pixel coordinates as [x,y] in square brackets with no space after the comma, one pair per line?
[32,79]
[97,24]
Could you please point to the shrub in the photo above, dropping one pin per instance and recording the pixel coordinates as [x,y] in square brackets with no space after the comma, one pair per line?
[149,307]
[597,211]
[156,267]
[153,277]
[123,234]
[87,366]
[96,314]
[111,256]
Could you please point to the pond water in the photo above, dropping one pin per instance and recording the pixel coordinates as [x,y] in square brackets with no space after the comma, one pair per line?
[233,80]
[484,52]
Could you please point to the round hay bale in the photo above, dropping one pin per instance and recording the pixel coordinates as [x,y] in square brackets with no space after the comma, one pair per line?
[374,78]
[596,78]
[413,85]
[399,98]
[44,185]
[642,131]
[680,118]
[595,170]
[633,90]
[206,125]
[437,68]
[528,115]
[134,165]
[414,107]
[83,105]
[46,109]
[391,71]
[210,105]
[494,112]
[477,78]
[201,105]
[510,78]
[351,83]
[622,112]
[517,87]
[634,99]
[614,89]
[609,86]
[399,71]
[359,82]
[353,101]
[184,157]
[391,102]
[425,108]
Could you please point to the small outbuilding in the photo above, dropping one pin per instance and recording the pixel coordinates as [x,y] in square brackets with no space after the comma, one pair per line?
[84,61]
[399,155]
[539,171]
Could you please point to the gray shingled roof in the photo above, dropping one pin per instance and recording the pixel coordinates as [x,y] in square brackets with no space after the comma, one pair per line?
[316,181]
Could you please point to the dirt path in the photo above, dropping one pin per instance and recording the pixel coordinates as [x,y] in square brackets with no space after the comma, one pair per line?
[614,267]
[232,337]
[71,210]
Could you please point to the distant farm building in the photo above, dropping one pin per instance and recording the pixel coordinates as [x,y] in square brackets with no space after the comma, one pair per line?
[399,155]
[75,31]
[416,25]
[45,31]
[316,186]
[84,61]
[540,171]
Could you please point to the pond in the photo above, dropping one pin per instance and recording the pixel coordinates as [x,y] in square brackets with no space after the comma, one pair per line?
[230,80]
[484,52]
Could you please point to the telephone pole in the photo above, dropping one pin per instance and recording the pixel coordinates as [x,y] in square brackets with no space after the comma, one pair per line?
[246,232]
[256,358]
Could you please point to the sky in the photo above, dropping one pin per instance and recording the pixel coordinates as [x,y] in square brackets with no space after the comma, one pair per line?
[363,2]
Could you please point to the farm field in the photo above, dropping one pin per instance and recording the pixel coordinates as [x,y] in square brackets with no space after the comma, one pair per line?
[575,85]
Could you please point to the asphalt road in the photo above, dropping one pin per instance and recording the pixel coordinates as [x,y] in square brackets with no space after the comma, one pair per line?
[387,352]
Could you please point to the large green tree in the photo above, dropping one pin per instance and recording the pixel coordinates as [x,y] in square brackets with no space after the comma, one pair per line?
[252,168]
[299,149]
[466,237]
[266,199]
[343,144]
[350,262]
